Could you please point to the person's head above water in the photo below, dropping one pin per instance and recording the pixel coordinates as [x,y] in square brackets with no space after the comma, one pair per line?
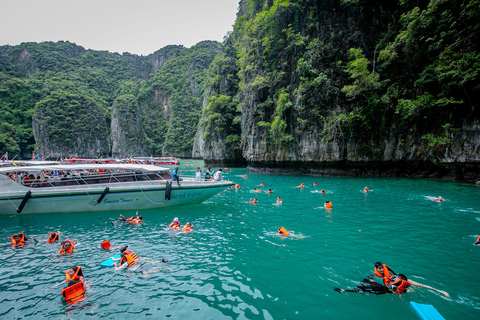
[175,219]
[122,250]
[378,264]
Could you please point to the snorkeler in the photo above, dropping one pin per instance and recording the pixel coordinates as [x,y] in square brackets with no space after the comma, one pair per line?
[398,285]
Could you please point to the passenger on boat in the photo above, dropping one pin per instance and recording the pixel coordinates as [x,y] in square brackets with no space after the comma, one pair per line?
[328,205]
[74,273]
[67,246]
[218,175]
[198,174]
[283,232]
[279,200]
[187,227]
[19,239]
[74,291]
[175,176]
[53,237]
[175,224]
[208,174]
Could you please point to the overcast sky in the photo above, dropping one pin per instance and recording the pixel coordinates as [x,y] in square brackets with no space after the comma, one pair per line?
[137,26]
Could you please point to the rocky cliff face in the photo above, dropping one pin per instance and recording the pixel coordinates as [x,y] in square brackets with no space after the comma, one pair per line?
[306,109]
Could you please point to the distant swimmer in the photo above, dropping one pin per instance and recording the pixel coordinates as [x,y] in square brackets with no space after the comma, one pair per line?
[323,191]
[253,201]
[128,259]
[175,224]
[20,239]
[132,220]
[279,200]
[328,205]
[283,232]
[244,175]
[398,285]
[269,191]
[439,199]
[256,190]
[67,246]
[261,184]
[300,186]
[237,186]
[315,184]
[74,273]
[187,227]
[366,189]
[477,242]
[53,237]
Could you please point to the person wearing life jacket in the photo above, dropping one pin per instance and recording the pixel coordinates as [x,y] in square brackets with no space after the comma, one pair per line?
[323,191]
[128,259]
[300,186]
[269,191]
[383,271]
[245,175]
[255,200]
[399,284]
[328,205]
[74,273]
[477,242]
[315,184]
[74,292]
[53,237]
[279,200]
[18,239]
[256,190]
[237,186]
[175,224]
[137,220]
[106,245]
[187,227]
[261,184]
[283,232]
[67,246]
[366,189]
[439,199]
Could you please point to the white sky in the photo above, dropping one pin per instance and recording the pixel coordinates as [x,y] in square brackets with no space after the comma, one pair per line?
[137,26]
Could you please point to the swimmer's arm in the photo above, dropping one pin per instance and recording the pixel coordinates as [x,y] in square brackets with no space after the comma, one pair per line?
[114,259]
[417,284]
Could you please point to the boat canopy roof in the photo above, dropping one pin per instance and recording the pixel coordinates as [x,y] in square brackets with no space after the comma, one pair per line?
[78,167]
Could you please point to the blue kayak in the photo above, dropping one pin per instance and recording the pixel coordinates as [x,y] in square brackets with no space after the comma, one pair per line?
[426,311]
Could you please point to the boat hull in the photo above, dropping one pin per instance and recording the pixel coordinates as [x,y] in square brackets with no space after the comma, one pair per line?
[125,197]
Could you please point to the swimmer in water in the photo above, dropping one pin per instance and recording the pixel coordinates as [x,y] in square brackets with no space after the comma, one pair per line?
[477,242]
[282,231]
[300,186]
[398,285]
[328,205]
[323,191]
[254,200]
[175,224]
[279,200]
[366,189]
[269,191]
[261,184]
[439,199]
[315,184]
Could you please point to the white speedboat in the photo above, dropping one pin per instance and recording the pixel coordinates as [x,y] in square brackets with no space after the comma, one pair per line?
[97,187]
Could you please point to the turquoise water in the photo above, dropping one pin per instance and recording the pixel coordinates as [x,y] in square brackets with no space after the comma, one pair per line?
[234,266]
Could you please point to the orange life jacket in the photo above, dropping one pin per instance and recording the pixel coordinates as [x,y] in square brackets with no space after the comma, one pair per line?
[175,225]
[70,249]
[401,285]
[187,228]
[130,258]
[386,276]
[279,201]
[55,238]
[75,276]
[106,244]
[74,293]
[20,242]
[135,221]
[366,190]
[283,232]
[328,205]
[323,191]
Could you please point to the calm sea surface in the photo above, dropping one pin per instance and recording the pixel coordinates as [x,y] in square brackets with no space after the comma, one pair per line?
[234,266]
